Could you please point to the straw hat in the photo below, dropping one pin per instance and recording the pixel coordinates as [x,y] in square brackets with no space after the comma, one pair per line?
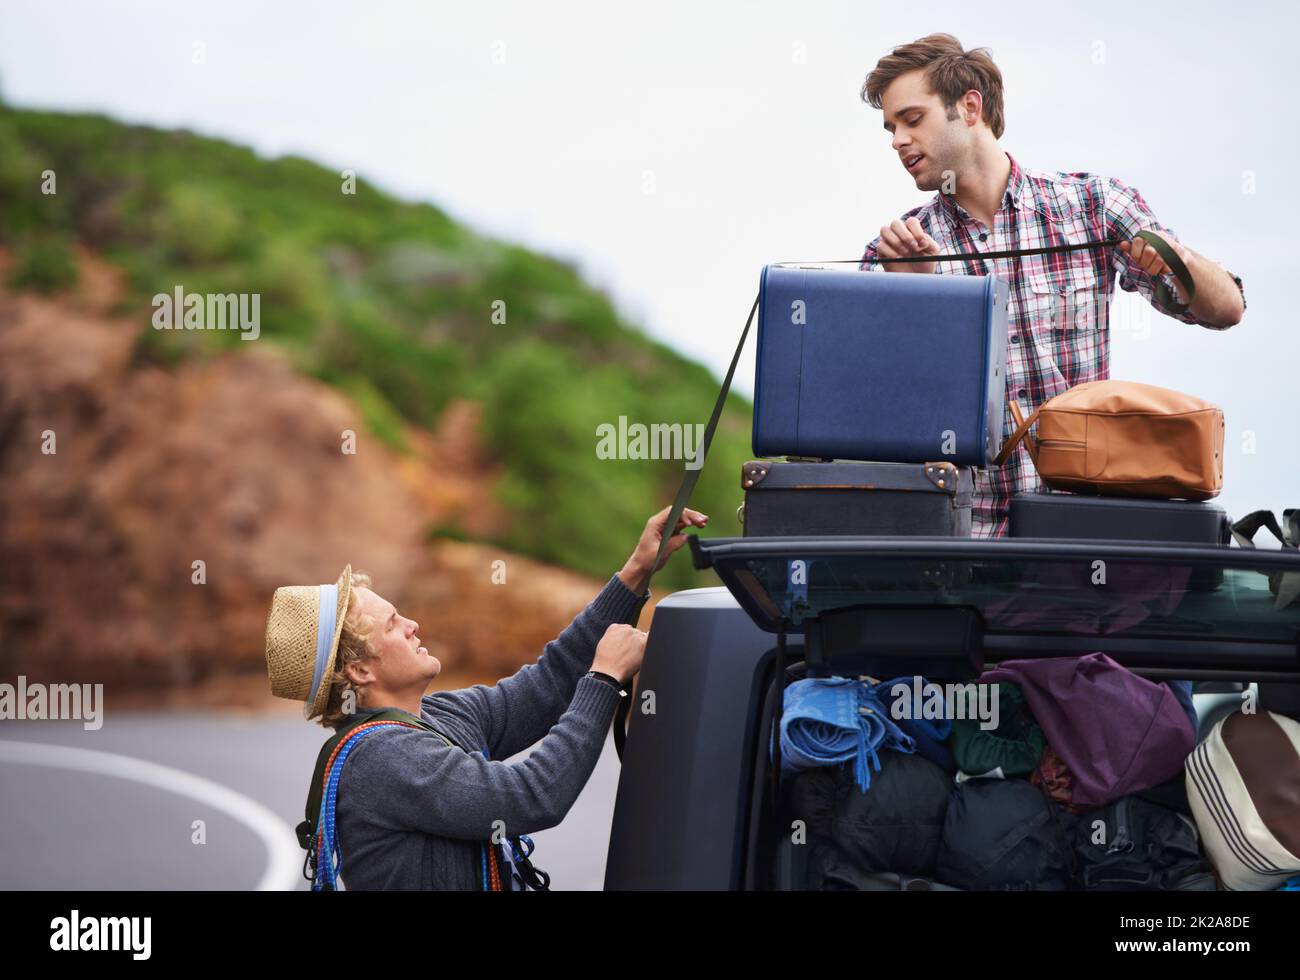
[302,640]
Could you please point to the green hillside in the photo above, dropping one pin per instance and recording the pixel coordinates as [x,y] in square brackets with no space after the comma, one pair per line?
[390,301]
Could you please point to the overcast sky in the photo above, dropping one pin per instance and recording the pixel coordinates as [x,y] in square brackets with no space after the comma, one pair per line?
[673,149]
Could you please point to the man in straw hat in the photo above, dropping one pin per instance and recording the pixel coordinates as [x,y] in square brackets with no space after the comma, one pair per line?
[423,801]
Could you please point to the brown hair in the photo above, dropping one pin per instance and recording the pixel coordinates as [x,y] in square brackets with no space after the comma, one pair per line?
[950,73]
[354,647]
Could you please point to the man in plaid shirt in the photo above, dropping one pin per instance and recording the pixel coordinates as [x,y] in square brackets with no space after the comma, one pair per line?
[943,107]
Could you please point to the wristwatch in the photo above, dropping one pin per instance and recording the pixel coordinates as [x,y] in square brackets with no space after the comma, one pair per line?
[608,680]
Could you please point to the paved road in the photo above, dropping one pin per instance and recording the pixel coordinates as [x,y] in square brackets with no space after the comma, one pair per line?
[72,819]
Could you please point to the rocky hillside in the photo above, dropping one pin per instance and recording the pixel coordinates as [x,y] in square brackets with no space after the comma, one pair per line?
[232,461]
[475,441]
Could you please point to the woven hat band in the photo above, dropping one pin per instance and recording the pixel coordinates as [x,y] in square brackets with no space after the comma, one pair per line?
[325,622]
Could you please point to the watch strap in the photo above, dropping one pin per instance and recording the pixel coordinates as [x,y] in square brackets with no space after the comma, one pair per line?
[607,678]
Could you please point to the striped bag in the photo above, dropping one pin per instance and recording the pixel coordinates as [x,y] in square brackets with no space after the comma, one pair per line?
[1243,783]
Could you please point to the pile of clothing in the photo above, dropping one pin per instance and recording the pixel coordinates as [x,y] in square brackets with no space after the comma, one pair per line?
[1067,773]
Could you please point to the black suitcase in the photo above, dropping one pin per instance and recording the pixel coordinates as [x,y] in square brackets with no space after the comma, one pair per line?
[1078,516]
[798,497]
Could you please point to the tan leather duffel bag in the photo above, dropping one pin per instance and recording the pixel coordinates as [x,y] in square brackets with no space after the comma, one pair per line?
[1124,439]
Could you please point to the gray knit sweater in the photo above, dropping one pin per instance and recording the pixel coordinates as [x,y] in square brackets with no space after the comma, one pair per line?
[412,812]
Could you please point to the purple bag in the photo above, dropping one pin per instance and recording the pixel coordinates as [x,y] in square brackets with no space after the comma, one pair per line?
[1118,733]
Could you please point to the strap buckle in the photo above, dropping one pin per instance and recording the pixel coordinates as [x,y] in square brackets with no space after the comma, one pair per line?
[529,876]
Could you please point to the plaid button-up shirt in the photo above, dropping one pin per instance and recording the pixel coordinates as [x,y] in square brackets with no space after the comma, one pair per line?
[1058,317]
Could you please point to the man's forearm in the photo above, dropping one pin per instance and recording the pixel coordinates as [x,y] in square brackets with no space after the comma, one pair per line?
[1218,300]
[635,576]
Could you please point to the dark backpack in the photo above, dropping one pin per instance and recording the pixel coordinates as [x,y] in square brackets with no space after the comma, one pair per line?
[1005,835]
[1143,847]
[894,826]
[830,870]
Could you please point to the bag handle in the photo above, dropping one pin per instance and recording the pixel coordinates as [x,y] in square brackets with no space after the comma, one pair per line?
[1022,432]
[1287,532]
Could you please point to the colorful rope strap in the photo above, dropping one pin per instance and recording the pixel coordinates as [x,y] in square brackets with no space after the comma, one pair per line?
[488,862]
[329,861]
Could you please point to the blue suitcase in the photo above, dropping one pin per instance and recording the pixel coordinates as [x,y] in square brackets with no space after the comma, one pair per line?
[880,366]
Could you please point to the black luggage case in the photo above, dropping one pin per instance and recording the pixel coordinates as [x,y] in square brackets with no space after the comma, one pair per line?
[1078,516]
[797,497]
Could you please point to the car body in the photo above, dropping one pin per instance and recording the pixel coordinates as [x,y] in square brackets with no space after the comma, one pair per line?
[696,800]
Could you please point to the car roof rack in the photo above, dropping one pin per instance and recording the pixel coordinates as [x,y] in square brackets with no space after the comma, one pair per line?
[946,606]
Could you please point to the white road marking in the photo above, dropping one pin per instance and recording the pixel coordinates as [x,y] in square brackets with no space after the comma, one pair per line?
[284,856]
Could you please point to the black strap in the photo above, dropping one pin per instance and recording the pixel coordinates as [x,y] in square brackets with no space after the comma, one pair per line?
[675,513]
[1285,586]
[964,256]
[1244,530]
[530,877]
[778,711]
[1163,295]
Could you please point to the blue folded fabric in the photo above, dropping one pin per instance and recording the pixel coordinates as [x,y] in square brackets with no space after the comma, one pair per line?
[929,734]
[831,720]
